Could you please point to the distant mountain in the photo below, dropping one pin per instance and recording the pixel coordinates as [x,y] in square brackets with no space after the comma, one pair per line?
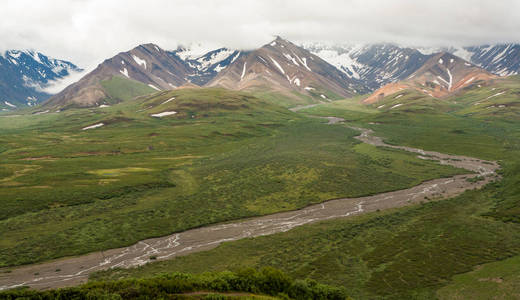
[379,64]
[373,65]
[26,75]
[502,59]
[286,67]
[442,74]
[206,63]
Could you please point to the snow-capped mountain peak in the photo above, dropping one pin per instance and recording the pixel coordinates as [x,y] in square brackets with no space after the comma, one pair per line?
[374,65]
[205,61]
[27,76]
[194,50]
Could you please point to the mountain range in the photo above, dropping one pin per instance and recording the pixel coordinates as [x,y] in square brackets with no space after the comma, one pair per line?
[279,66]
[379,64]
[314,70]
[441,75]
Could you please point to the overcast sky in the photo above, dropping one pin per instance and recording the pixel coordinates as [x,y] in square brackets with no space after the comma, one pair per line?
[88,31]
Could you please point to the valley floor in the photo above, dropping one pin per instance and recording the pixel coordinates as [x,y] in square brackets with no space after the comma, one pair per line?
[217,161]
[76,270]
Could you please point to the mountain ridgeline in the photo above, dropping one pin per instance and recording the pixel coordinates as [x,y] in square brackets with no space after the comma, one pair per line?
[279,66]
[441,75]
[308,73]
[376,65]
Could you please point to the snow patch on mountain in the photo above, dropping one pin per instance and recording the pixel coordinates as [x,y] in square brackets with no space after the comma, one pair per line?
[277,65]
[93,126]
[469,80]
[163,114]
[451,79]
[243,71]
[154,87]
[304,61]
[124,72]
[219,68]
[9,104]
[139,61]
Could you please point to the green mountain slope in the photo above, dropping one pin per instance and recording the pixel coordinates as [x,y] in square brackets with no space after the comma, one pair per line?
[120,89]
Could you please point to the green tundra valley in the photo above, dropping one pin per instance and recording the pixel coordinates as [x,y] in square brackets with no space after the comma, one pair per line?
[291,170]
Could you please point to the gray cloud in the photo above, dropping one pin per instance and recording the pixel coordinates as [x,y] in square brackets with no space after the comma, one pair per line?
[88,31]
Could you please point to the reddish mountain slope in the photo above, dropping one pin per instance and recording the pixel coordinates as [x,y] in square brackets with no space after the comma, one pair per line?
[441,75]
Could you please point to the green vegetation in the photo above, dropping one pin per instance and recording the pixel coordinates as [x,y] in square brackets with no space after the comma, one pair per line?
[399,254]
[284,100]
[317,93]
[236,155]
[119,89]
[412,252]
[224,155]
[497,280]
[267,283]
